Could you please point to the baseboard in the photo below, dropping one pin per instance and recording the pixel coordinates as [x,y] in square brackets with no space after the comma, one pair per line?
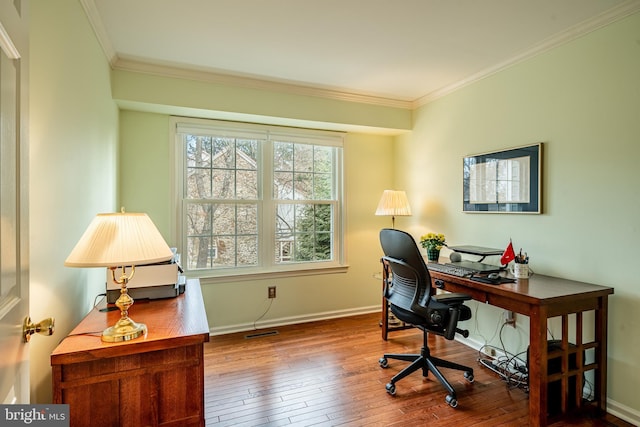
[623,412]
[283,321]
[476,345]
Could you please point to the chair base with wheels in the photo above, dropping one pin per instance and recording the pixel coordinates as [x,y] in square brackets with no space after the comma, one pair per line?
[427,363]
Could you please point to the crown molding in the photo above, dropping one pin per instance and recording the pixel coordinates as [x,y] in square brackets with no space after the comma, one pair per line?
[623,10]
[91,11]
[209,76]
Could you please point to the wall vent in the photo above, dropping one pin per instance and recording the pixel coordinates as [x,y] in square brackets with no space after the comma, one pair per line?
[261,334]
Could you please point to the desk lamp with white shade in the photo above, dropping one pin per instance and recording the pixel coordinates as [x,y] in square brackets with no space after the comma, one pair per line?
[120,240]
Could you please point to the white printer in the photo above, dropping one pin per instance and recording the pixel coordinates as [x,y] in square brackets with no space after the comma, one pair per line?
[150,281]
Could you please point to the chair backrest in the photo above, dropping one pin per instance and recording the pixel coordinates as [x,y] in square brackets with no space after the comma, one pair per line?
[410,287]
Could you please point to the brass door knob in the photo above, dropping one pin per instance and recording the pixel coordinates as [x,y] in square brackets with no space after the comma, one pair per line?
[44,327]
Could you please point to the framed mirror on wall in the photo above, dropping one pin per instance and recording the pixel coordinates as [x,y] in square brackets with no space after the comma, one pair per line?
[507,181]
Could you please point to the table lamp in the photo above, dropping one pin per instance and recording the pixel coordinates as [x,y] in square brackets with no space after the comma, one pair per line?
[393,203]
[120,240]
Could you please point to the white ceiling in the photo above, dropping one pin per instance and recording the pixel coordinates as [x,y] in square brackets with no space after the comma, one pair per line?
[401,50]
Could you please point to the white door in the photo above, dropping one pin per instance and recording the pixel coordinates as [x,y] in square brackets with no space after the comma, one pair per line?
[14,237]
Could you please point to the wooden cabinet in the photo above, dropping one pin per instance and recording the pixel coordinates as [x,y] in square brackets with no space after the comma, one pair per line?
[157,380]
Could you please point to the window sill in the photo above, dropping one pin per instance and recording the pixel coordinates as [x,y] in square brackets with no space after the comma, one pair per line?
[235,276]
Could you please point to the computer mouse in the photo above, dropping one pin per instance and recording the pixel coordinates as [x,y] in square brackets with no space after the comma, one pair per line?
[493,277]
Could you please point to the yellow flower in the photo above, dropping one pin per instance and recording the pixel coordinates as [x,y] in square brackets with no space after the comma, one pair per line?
[433,241]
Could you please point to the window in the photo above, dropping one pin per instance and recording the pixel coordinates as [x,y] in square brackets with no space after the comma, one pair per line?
[256,199]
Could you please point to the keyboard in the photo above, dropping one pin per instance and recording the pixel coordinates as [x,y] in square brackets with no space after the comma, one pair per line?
[451,269]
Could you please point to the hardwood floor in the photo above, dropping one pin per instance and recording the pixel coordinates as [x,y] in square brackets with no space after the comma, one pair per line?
[327,374]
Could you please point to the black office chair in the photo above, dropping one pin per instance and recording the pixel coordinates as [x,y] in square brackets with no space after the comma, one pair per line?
[409,293]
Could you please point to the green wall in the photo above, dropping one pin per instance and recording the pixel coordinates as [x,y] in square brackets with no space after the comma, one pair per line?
[72,169]
[583,101]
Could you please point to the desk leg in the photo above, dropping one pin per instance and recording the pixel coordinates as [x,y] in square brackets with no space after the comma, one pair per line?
[384,322]
[601,355]
[538,366]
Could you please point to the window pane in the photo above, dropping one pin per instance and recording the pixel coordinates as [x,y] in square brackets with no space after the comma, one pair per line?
[224,219]
[313,169]
[303,158]
[304,231]
[247,185]
[284,218]
[307,228]
[247,219]
[323,218]
[282,156]
[323,187]
[226,252]
[247,154]
[199,219]
[323,159]
[198,183]
[199,236]
[304,247]
[283,185]
[198,151]
[283,250]
[323,248]
[221,235]
[200,257]
[303,186]
[224,184]
[304,218]
[224,153]
[247,251]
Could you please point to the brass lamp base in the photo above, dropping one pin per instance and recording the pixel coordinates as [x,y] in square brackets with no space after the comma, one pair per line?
[125,329]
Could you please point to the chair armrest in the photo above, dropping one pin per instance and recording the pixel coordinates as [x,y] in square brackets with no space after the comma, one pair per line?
[454,298]
[455,302]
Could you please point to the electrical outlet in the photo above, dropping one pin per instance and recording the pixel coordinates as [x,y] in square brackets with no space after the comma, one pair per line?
[490,351]
[272,291]
[510,318]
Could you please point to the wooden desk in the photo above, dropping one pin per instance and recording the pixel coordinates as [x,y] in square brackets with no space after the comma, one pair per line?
[153,381]
[541,298]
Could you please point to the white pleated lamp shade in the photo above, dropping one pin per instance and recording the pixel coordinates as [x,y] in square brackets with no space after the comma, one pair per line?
[393,203]
[119,239]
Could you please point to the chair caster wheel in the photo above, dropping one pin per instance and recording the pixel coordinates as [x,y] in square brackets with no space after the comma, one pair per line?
[469,376]
[451,401]
[384,363]
[391,389]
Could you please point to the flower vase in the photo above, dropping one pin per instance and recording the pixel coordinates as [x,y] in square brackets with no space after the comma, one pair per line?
[433,254]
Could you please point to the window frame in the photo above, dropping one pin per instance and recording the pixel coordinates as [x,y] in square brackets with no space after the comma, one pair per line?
[266,203]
